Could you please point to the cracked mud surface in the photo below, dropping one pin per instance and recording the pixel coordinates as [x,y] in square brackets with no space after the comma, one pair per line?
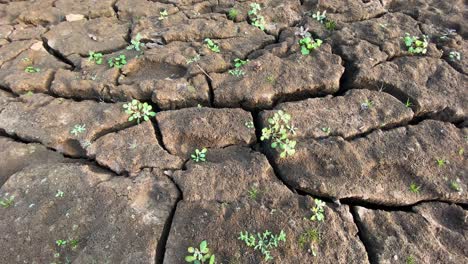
[381,133]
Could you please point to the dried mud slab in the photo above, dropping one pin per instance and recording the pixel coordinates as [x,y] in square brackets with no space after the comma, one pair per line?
[136,9]
[131,150]
[270,78]
[346,116]
[89,8]
[50,121]
[435,233]
[11,50]
[187,129]
[433,87]
[348,10]
[113,219]
[26,32]
[380,167]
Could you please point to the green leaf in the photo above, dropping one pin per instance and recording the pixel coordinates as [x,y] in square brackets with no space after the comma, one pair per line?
[203,246]
[189,258]
[212,259]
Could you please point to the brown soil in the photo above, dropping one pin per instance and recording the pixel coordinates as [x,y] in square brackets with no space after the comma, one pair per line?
[381,133]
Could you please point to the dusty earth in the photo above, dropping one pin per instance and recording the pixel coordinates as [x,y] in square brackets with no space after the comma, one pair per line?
[381,133]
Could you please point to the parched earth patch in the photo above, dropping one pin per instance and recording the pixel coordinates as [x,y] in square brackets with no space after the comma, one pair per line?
[219,131]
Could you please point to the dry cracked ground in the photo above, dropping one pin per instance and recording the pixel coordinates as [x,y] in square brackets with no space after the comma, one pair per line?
[377,173]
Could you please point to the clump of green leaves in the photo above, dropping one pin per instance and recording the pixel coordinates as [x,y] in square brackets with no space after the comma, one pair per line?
[263,242]
[135,43]
[232,14]
[199,155]
[7,201]
[117,62]
[408,103]
[193,59]
[78,129]
[249,124]
[253,193]
[309,44]
[138,111]
[416,45]
[414,188]
[96,57]
[441,162]
[410,260]
[72,242]
[330,25]
[212,45]
[318,212]
[255,18]
[326,130]
[200,255]
[31,69]
[320,17]
[454,55]
[455,185]
[367,104]
[238,63]
[310,237]
[278,132]
[163,14]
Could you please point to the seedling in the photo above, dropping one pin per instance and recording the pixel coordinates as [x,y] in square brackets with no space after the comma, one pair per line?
[318,211]
[256,19]
[310,237]
[138,111]
[410,260]
[408,103]
[330,25]
[455,185]
[265,242]
[201,255]
[163,14]
[239,63]
[59,193]
[32,69]
[309,44]
[461,151]
[232,14]
[441,162]
[61,243]
[414,188]
[96,57]
[199,155]
[454,55]
[367,104]
[327,130]
[117,62]
[278,132]
[193,59]
[271,79]
[415,44]
[212,45]
[135,43]
[253,193]
[249,124]
[320,17]
[7,202]
[78,129]
[303,32]
[237,72]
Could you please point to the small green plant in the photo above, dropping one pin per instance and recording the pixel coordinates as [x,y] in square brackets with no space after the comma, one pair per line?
[200,255]
[309,44]
[278,132]
[441,162]
[193,59]
[237,72]
[255,18]
[415,44]
[32,69]
[7,202]
[239,62]
[59,193]
[408,103]
[326,130]
[96,57]
[320,17]
[232,14]
[72,242]
[253,193]
[271,79]
[414,188]
[330,25]
[455,185]
[410,260]
[263,242]
[163,14]
[199,155]
[367,104]
[138,111]
[61,243]
[135,43]
[78,129]
[117,62]
[249,124]
[212,45]
[318,212]
[311,237]
[454,55]
[461,151]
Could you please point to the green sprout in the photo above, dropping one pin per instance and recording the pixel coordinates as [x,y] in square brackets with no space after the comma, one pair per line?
[163,14]
[138,111]
[135,43]
[61,243]
[441,162]
[414,188]
[330,25]
[415,44]
[253,193]
[237,72]
[59,193]
[96,57]
[326,130]
[232,14]
[78,129]
[117,62]
[318,211]
[408,103]
[199,155]
[278,132]
[32,69]
[455,185]
[212,45]
[410,260]
[309,237]
[7,202]
[308,44]
[461,151]
[320,17]
[454,55]
[193,59]
[367,104]
[256,19]
[237,64]
[249,124]
[263,242]
[201,255]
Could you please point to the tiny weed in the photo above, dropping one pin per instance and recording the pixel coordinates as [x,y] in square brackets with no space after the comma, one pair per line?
[61,243]
[239,63]
[326,130]
[414,188]
[138,111]
[263,242]
[117,62]
[232,14]
[32,69]
[303,32]
[163,14]
[78,129]
[309,44]
[367,104]
[461,151]
[455,55]
[278,132]
[441,162]
[7,202]
[253,193]
[256,19]
[135,44]
[249,124]
[330,25]
[271,79]
[193,59]
[455,185]
[212,45]
[310,237]
[59,193]
[320,17]
[318,213]
[408,103]
[415,44]
[96,57]
[200,255]
[199,155]
[410,260]
[237,72]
